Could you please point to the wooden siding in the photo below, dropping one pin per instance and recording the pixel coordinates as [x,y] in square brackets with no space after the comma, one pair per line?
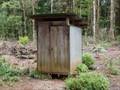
[53,48]
[43,48]
[75,47]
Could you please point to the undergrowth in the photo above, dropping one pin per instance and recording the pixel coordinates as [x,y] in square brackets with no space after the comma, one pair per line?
[114,66]
[88,59]
[8,74]
[88,81]
[23,40]
[37,75]
[82,68]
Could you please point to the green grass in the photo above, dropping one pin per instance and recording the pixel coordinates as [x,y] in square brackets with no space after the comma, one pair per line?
[82,68]
[8,74]
[113,66]
[37,75]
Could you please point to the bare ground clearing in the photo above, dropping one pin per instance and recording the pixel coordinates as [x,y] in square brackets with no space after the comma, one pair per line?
[27,83]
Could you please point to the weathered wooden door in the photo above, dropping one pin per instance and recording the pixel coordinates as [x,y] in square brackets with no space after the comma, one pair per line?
[59,49]
[43,62]
[53,49]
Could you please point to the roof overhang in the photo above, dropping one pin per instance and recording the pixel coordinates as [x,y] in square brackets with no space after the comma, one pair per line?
[73,18]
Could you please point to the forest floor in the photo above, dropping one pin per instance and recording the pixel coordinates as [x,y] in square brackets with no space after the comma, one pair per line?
[27,83]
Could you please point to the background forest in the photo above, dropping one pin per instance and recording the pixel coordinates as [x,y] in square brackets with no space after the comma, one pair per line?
[102,16]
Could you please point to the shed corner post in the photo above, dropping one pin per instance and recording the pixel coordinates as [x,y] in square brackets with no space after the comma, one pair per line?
[67,21]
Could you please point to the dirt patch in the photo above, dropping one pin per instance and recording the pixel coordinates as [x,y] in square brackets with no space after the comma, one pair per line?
[34,84]
[27,83]
[21,63]
[113,54]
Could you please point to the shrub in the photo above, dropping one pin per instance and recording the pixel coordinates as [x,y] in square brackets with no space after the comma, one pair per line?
[87,59]
[71,84]
[88,81]
[99,49]
[7,78]
[82,68]
[23,40]
[7,72]
[38,75]
[113,67]
[114,71]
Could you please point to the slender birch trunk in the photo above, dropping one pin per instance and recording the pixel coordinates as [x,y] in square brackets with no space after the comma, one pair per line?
[112,21]
[51,6]
[33,21]
[94,20]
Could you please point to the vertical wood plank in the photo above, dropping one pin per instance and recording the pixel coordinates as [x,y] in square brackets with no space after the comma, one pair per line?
[43,47]
[53,48]
[59,45]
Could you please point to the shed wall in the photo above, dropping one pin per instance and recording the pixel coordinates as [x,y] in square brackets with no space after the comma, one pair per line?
[43,57]
[53,48]
[75,47]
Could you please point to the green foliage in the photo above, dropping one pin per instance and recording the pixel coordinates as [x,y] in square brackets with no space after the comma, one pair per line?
[7,78]
[72,84]
[80,7]
[84,7]
[43,7]
[12,22]
[23,40]
[112,66]
[7,72]
[88,81]
[100,48]
[87,59]
[114,71]
[82,68]
[10,26]
[105,44]
[11,4]
[38,75]
[118,38]
[104,7]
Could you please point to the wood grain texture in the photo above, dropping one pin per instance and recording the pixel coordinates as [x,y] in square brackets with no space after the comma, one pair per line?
[43,47]
[53,48]
[59,49]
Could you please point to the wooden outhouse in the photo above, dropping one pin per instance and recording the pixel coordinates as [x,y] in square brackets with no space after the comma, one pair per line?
[59,43]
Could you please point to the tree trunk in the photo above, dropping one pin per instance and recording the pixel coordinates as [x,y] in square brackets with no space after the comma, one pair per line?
[33,21]
[117,16]
[94,20]
[24,18]
[51,6]
[97,20]
[112,21]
